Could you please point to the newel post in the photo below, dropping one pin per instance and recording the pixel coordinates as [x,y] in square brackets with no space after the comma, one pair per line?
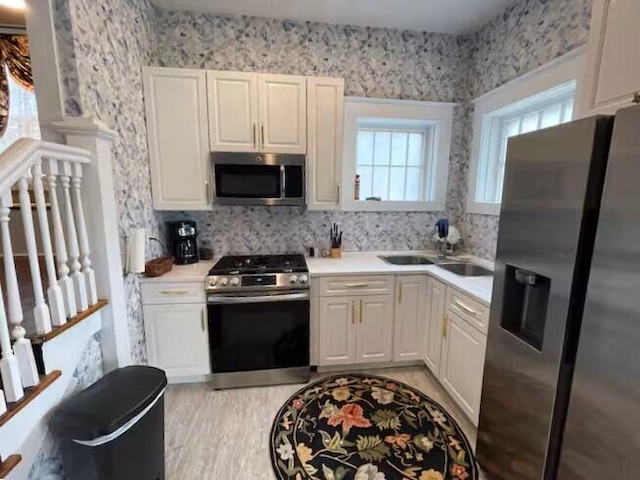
[101,216]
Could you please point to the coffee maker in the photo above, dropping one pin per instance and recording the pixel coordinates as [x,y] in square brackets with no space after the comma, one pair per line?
[182,241]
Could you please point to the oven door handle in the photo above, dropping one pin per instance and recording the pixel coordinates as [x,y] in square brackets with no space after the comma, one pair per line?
[226,300]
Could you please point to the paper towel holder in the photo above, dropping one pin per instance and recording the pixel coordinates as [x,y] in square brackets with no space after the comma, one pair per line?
[135,261]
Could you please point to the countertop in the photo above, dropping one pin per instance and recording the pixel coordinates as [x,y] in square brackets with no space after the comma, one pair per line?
[368,263]
[357,263]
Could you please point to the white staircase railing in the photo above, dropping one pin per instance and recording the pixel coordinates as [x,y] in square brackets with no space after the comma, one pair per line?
[39,172]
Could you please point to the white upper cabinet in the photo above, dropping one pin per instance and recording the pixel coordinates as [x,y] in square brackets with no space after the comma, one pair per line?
[613,71]
[410,318]
[283,113]
[325,102]
[233,111]
[436,297]
[177,129]
[375,329]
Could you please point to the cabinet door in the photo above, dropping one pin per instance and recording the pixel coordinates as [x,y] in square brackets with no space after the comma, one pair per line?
[613,72]
[325,100]
[283,113]
[176,109]
[336,331]
[463,364]
[177,338]
[436,296]
[410,318]
[233,111]
[375,329]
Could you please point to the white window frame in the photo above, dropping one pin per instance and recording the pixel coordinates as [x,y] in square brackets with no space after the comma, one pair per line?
[555,75]
[437,116]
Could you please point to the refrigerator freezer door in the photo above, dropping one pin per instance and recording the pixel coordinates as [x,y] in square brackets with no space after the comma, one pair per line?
[602,434]
[551,175]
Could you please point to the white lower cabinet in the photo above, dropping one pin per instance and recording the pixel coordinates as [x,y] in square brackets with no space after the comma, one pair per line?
[176,330]
[436,297]
[374,329]
[463,364]
[410,317]
[336,331]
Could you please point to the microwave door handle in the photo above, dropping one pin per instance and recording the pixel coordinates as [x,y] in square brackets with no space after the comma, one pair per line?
[283,182]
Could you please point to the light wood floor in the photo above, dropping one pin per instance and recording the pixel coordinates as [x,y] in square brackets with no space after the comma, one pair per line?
[224,435]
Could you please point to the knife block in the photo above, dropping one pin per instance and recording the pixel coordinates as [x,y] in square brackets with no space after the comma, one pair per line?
[336,253]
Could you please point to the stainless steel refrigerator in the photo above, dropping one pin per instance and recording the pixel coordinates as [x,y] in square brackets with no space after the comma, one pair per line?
[561,390]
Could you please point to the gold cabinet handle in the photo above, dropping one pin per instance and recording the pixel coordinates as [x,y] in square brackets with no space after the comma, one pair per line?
[465,307]
[254,136]
[338,190]
[174,292]
[202,320]
[361,308]
[400,293]
[444,326]
[356,285]
[208,187]
[353,312]
[262,133]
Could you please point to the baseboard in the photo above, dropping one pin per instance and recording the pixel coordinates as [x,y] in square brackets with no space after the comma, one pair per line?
[366,366]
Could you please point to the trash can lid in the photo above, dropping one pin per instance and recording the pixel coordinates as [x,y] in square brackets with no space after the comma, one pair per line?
[109,403]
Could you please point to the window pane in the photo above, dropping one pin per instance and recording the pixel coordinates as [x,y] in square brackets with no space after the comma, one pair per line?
[414,179]
[23,115]
[415,156]
[396,185]
[382,148]
[365,148]
[381,182]
[530,122]
[512,128]
[551,115]
[399,149]
[567,113]
[366,181]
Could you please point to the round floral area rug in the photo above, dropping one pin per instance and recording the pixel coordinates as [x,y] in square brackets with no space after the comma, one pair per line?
[365,427]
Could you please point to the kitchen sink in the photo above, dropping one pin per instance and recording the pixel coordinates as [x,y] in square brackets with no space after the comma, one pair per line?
[406,260]
[466,269]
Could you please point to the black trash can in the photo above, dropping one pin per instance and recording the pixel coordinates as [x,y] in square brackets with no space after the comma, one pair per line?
[115,428]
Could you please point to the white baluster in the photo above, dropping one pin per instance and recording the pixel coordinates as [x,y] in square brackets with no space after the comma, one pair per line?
[54,292]
[77,277]
[61,246]
[40,310]
[89,274]
[9,368]
[3,403]
[22,347]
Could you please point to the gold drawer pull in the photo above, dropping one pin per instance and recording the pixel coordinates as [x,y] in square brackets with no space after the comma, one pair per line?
[174,292]
[353,312]
[356,285]
[465,307]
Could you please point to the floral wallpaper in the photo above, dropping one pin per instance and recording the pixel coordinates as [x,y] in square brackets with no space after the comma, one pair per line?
[527,35]
[374,62]
[103,47]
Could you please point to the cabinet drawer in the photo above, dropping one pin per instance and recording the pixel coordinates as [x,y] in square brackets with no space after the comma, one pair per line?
[348,286]
[468,309]
[159,293]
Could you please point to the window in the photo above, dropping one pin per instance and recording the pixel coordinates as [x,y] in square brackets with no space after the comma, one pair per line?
[23,115]
[399,151]
[539,100]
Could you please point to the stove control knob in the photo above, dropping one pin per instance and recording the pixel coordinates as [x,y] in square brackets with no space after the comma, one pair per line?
[234,282]
[223,282]
[212,282]
[293,279]
[304,279]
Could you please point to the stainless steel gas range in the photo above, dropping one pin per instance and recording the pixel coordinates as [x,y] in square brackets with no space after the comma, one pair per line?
[258,313]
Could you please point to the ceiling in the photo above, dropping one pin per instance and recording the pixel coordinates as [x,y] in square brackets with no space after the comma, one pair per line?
[444,16]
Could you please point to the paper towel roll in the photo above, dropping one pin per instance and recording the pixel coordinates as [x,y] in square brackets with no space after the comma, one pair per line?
[135,252]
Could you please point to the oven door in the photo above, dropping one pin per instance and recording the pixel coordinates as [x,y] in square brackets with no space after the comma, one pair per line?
[258,331]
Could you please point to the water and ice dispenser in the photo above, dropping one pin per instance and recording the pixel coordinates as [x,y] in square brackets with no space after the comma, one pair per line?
[524,312]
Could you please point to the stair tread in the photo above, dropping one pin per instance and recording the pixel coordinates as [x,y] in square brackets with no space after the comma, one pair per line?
[9,464]
[29,395]
[42,338]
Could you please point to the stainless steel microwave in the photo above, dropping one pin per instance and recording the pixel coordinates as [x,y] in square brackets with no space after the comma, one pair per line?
[258,178]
